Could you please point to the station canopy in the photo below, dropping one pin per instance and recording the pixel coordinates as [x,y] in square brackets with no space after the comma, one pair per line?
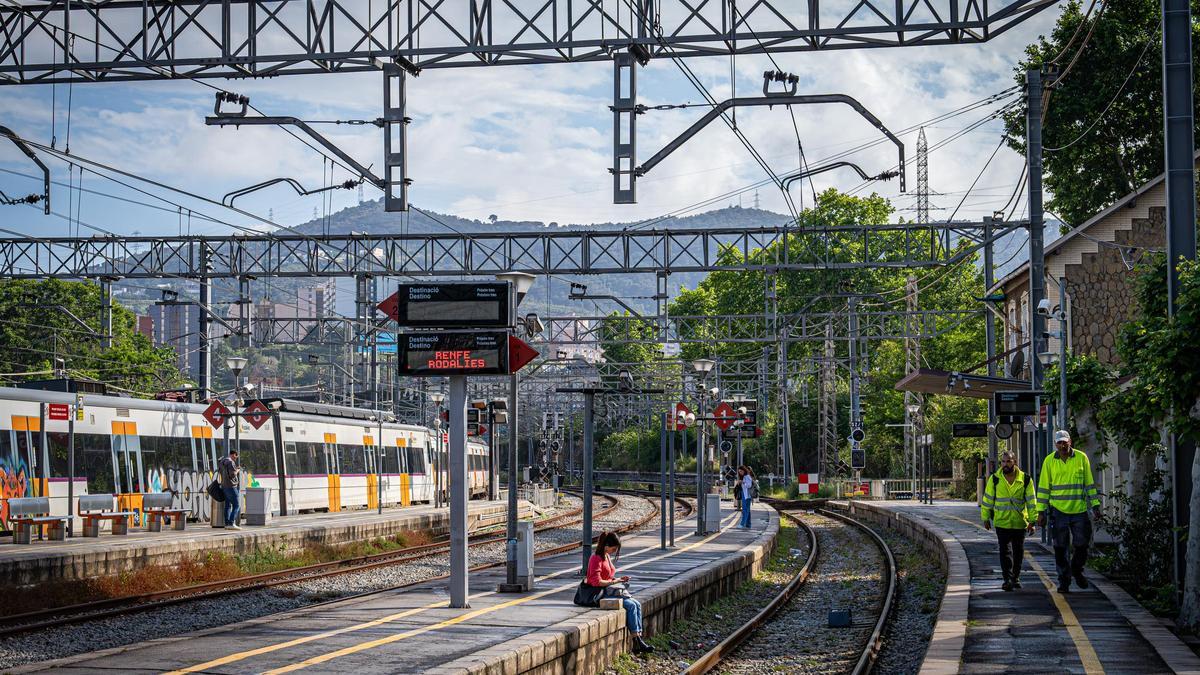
[932,381]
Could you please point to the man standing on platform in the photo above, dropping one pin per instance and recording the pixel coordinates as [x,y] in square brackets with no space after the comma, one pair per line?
[1008,502]
[231,483]
[1065,491]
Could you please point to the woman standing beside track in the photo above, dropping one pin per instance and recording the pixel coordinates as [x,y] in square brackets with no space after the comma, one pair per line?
[745,491]
[601,573]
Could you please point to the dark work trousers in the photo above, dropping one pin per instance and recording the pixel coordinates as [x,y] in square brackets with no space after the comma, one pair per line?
[1012,551]
[1073,531]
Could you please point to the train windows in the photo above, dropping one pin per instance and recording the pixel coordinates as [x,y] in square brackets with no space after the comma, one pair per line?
[352,459]
[391,460]
[168,452]
[416,460]
[304,458]
[257,456]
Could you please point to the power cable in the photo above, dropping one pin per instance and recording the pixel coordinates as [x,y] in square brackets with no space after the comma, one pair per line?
[981,172]
[1112,101]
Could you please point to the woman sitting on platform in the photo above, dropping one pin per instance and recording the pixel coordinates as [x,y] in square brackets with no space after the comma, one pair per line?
[601,573]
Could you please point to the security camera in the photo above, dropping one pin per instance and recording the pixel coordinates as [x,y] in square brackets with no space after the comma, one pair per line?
[533,325]
[1043,307]
[714,391]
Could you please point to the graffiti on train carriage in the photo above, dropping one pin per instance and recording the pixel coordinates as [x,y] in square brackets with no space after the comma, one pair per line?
[188,488]
[14,482]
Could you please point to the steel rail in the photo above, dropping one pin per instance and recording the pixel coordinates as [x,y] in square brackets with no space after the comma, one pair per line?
[78,613]
[727,646]
[870,652]
[866,661]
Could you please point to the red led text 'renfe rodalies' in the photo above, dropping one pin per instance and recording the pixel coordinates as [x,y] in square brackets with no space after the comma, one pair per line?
[458,358]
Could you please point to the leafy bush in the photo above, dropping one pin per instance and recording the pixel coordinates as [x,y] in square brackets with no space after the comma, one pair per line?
[1141,526]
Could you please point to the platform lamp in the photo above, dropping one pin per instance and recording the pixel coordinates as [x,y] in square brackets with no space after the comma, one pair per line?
[437,398]
[702,367]
[521,283]
[236,365]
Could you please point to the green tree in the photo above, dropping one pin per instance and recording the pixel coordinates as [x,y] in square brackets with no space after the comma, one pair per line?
[40,325]
[1103,125]
[957,347]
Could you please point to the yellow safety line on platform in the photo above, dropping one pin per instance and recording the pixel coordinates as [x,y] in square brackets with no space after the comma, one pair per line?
[371,644]
[1087,654]
[240,656]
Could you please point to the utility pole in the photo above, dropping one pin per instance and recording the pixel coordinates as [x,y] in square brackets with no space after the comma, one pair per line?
[827,411]
[1037,263]
[1179,99]
[912,361]
[106,333]
[989,332]
[204,356]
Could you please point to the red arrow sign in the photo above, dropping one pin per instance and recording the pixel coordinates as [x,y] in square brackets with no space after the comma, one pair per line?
[519,354]
[58,411]
[215,413]
[257,414]
[680,420]
[391,306]
[724,416]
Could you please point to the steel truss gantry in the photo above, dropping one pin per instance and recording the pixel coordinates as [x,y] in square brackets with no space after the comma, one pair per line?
[749,328]
[580,252]
[119,40]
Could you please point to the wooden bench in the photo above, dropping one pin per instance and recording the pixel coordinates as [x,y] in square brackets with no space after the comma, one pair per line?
[156,506]
[26,513]
[95,508]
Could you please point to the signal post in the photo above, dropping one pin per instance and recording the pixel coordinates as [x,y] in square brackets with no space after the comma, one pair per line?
[448,336]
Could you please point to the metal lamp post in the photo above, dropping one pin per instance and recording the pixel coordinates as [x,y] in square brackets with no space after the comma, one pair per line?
[236,365]
[521,284]
[437,398]
[702,367]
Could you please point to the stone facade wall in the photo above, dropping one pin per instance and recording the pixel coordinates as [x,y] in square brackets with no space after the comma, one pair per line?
[1101,287]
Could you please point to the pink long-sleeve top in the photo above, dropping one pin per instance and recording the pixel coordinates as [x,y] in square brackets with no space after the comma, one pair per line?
[600,568]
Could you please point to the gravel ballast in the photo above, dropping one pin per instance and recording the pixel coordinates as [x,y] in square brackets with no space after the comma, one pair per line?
[189,616]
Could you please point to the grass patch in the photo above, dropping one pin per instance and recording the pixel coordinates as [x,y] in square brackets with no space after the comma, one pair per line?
[199,569]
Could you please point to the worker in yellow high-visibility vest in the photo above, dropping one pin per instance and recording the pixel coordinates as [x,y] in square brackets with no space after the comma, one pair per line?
[1008,503]
[1066,491]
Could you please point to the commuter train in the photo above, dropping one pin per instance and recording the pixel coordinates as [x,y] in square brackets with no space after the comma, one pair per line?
[320,457]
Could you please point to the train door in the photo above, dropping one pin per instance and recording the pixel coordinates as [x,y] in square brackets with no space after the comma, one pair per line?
[333,472]
[371,467]
[127,457]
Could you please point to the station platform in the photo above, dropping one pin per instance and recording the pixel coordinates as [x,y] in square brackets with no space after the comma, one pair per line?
[414,631]
[983,629]
[83,557]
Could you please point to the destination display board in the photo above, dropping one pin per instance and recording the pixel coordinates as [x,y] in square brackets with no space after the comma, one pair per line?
[452,305]
[1011,406]
[454,353]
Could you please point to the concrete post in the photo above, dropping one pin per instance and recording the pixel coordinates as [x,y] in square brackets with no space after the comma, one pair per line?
[589,400]
[457,477]
[662,484]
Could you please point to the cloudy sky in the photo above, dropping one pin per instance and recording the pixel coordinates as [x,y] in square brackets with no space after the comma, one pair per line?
[530,142]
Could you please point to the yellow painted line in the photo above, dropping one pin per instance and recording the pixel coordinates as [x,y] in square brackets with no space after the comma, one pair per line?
[1087,654]
[371,644]
[241,656]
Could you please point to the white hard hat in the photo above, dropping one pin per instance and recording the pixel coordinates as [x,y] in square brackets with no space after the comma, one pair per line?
[1061,435]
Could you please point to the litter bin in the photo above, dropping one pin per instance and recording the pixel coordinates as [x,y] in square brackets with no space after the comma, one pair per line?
[712,513]
[258,505]
[217,512]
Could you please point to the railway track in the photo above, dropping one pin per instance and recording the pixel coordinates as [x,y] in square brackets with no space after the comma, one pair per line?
[73,614]
[725,654]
